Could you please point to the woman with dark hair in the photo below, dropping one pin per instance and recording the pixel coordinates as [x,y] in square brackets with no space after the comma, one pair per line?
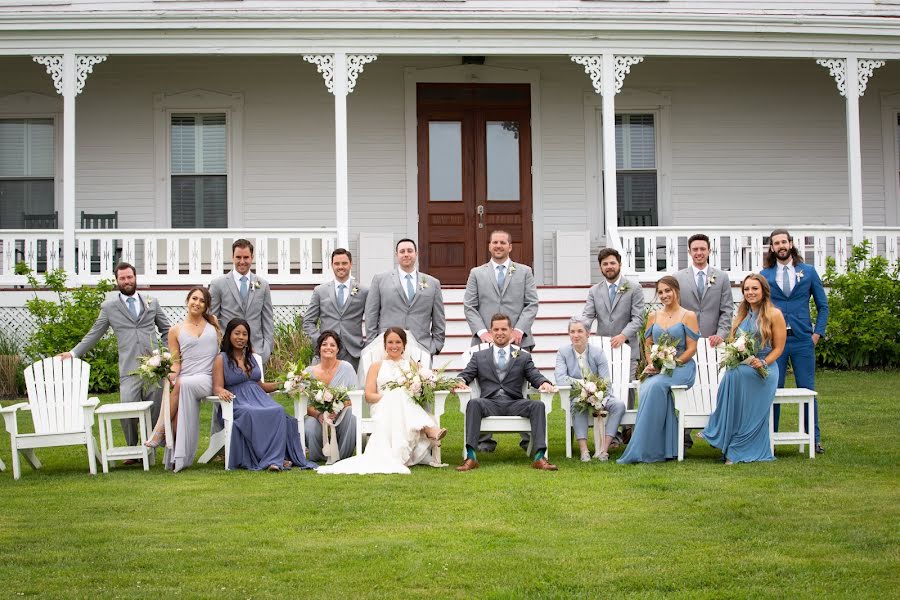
[404,433]
[334,373]
[655,435]
[263,435]
[739,426]
[194,342]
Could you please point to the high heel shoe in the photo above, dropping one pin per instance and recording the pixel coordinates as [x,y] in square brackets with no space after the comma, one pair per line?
[156,439]
[436,440]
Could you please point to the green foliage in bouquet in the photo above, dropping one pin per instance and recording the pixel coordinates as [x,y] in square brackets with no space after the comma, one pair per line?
[63,322]
[864,303]
[290,348]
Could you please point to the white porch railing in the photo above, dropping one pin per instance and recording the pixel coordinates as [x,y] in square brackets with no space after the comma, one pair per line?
[650,252]
[170,256]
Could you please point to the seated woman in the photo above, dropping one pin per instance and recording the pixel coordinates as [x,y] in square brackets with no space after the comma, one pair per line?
[263,435]
[335,373]
[196,342]
[739,426]
[404,432]
[572,362]
[655,437]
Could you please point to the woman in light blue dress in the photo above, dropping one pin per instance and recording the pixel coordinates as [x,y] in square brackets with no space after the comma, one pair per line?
[655,437]
[334,373]
[739,426]
[263,435]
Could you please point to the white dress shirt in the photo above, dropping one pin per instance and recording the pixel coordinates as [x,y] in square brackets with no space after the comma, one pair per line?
[138,305]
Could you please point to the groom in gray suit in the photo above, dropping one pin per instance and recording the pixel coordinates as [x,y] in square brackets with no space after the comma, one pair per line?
[407,298]
[139,324]
[501,286]
[241,294]
[338,306]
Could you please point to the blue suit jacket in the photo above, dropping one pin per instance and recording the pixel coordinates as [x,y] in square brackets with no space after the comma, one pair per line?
[795,307]
[567,365]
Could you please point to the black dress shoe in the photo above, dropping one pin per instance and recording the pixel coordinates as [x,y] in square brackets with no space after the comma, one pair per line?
[820,449]
[486,447]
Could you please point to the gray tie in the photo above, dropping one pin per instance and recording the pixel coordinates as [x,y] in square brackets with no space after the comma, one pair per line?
[501,276]
[612,293]
[244,287]
[132,306]
[501,359]
[341,299]
[701,284]
[410,290]
[785,281]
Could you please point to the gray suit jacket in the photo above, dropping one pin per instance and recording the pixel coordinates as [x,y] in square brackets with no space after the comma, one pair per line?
[227,305]
[482,367]
[715,311]
[323,313]
[625,316]
[518,299]
[135,337]
[388,306]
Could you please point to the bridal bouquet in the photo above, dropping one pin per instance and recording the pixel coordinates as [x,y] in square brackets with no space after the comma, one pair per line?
[591,394]
[329,399]
[154,367]
[740,350]
[421,383]
[298,382]
[663,354]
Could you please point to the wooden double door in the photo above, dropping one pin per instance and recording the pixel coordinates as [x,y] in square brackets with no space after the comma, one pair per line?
[474,159]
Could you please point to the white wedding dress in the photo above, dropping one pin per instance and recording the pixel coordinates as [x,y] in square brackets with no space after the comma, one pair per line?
[397,440]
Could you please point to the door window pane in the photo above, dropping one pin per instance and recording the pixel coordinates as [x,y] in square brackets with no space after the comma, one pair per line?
[445,161]
[199,171]
[502,160]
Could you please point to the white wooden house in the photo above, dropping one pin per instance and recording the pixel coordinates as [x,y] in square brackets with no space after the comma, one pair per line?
[314,123]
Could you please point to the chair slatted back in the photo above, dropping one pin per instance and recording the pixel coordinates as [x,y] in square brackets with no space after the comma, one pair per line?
[100,220]
[56,388]
[702,395]
[619,365]
[474,387]
[374,352]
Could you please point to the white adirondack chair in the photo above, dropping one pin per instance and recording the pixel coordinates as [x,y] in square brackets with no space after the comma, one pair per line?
[500,424]
[222,439]
[63,414]
[620,377]
[372,353]
[695,405]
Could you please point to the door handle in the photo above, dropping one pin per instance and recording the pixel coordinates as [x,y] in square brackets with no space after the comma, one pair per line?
[480,212]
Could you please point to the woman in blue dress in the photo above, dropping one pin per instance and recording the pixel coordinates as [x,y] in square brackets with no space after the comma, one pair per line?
[655,437]
[739,426]
[263,435]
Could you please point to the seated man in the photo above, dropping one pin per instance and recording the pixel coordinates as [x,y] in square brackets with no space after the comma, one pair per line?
[501,370]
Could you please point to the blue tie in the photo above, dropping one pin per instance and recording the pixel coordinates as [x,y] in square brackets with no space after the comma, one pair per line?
[501,359]
[410,290]
[501,276]
[341,298]
[785,281]
[701,284]
[612,293]
[244,288]
[132,306]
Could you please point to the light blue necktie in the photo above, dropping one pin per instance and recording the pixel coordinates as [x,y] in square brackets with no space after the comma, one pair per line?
[244,287]
[132,306]
[612,293]
[410,290]
[501,276]
[785,281]
[501,359]
[701,284]
[341,299]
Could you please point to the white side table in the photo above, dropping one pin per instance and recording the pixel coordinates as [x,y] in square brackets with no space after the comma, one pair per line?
[805,400]
[108,413]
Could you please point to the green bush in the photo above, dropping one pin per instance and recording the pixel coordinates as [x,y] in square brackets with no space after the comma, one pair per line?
[61,324]
[863,325]
[290,345]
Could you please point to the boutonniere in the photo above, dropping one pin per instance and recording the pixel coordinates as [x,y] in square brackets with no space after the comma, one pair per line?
[799,275]
[354,290]
[512,268]
[515,353]
[624,287]
[148,302]
[254,285]
[711,280]
[423,283]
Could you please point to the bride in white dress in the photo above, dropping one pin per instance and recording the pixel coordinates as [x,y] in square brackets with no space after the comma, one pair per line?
[403,432]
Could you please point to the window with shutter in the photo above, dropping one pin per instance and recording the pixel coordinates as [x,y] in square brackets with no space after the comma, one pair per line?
[636,170]
[27,170]
[199,170]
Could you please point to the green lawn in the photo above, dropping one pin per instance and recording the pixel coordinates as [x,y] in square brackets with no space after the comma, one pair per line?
[793,528]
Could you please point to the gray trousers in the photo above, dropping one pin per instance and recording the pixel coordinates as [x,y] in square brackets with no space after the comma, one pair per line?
[346,435]
[131,390]
[580,420]
[533,410]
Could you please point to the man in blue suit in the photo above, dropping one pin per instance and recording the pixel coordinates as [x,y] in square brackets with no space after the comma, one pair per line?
[793,283]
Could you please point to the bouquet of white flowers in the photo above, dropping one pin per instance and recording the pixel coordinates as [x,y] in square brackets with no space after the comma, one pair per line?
[740,350]
[298,382]
[591,393]
[328,399]
[154,367]
[421,383]
[663,354]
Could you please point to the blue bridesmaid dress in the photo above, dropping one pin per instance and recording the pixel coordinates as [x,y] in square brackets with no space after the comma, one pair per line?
[739,426]
[655,437]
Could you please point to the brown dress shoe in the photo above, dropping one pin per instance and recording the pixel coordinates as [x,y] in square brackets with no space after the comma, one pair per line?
[543,465]
[467,465]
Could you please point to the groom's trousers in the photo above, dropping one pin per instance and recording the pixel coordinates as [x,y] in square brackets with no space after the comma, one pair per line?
[502,406]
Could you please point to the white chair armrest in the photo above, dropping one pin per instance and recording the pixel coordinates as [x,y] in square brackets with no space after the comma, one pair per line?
[9,415]
[212,399]
[440,401]
[464,397]
[679,396]
[301,402]
[633,385]
[547,399]
[357,397]
[93,402]
[565,401]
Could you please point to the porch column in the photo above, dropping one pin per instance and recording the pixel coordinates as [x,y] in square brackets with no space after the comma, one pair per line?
[340,71]
[69,72]
[607,73]
[852,76]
